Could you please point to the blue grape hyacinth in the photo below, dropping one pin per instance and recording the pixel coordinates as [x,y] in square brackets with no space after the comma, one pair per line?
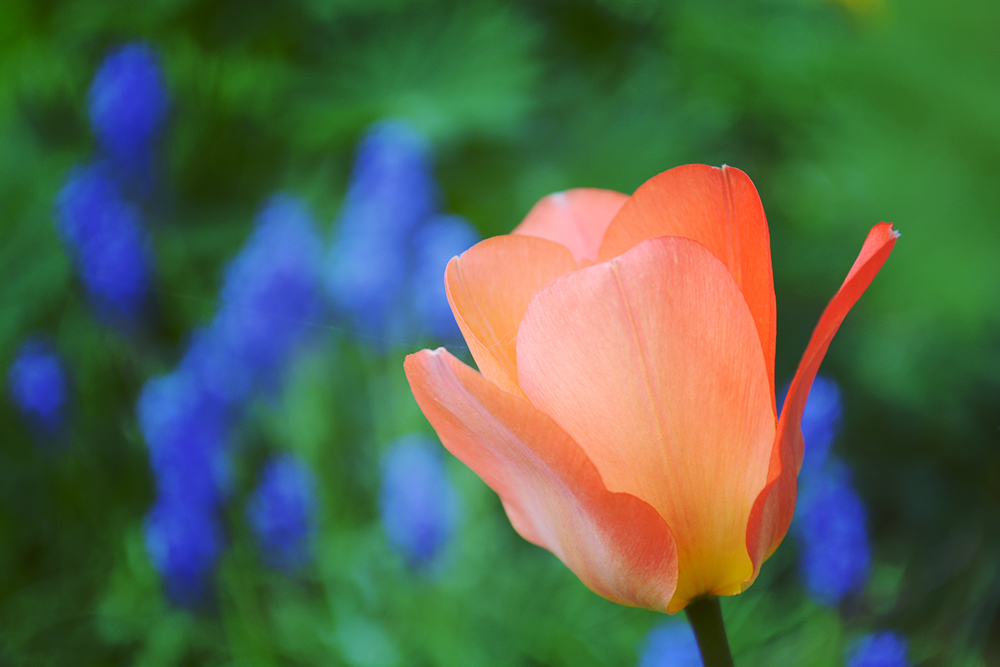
[392,188]
[38,385]
[442,238]
[881,649]
[830,518]
[183,543]
[282,512]
[418,504]
[671,644]
[185,432]
[820,423]
[103,234]
[271,294]
[391,193]
[127,104]
[271,297]
[830,527]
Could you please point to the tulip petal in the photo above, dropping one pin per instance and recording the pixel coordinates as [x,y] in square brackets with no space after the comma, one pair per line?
[719,208]
[489,287]
[615,543]
[576,219]
[652,364]
[773,509]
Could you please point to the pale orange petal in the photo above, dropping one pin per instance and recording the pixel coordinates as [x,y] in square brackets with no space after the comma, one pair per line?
[651,362]
[489,287]
[719,208]
[773,510]
[575,219]
[617,544]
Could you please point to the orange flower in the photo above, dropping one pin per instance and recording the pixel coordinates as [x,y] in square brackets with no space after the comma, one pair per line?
[624,407]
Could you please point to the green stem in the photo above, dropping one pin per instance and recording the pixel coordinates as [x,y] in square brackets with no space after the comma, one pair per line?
[705,616]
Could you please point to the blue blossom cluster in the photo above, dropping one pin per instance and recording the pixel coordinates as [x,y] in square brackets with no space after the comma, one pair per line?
[418,504]
[671,644]
[98,221]
[282,512]
[830,518]
[38,386]
[127,104]
[820,424]
[881,649]
[104,235]
[835,555]
[186,436]
[270,295]
[830,525]
[183,543]
[385,269]
[185,432]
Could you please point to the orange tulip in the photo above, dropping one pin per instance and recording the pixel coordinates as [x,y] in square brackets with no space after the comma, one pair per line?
[624,408]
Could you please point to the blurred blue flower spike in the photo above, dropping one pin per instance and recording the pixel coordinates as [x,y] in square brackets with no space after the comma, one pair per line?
[392,192]
[418,503]
[103,234]
[127,103]
[186,436]
[835,555]
[282,513]
[881,649]
[442,238]
[183,542]
[671,644]
[217,367]
[820,423]
[271,296]
[38,385]
[392,188]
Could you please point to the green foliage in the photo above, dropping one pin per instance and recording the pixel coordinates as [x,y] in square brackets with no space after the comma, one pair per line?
[842,119]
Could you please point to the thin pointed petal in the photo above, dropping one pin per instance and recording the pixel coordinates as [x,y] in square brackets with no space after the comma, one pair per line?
[773,509]
[576,219]
[719,208]
[615,543]
[489,287]
[651,362]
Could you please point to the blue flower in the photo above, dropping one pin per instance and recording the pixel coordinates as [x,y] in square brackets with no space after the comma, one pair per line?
[272,290]
[820,423]
[881,649]
[282,512]
[418,504]
[186,434]
[128,103]
[671,644]
[835,555]
[392,192]
[218,366]
[183,542]
[365,282]
[271,298]
[442,238]
[392,188]
[37,382]
[103,234]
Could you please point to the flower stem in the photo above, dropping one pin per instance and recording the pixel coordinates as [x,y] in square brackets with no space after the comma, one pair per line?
[705,616]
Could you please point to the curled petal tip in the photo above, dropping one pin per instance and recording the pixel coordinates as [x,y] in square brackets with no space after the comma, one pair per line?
[772,513]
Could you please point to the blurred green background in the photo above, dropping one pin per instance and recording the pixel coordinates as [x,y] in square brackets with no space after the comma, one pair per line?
[843,114]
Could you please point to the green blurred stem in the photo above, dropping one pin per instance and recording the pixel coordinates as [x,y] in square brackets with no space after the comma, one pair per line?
[705,616]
